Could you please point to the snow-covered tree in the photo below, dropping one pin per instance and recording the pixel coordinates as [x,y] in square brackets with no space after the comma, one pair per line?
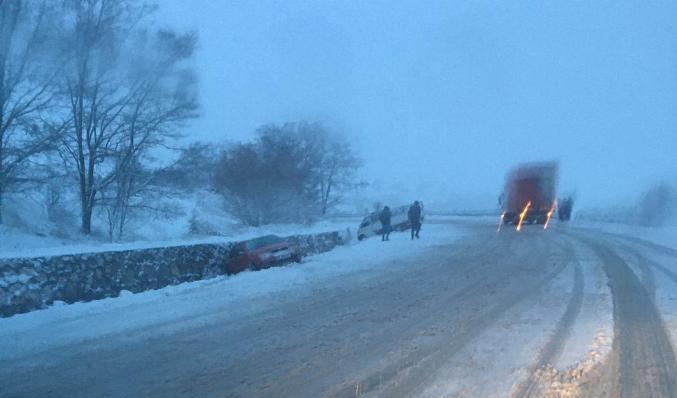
[127,89]
[29,67]
[290,173]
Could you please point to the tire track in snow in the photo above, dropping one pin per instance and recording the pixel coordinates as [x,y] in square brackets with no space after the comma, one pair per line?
[409,377]
[672,275]
[553,348]
[632,239]
[188,374]
[642,359]
[643,264]
[481,259]
[655,246]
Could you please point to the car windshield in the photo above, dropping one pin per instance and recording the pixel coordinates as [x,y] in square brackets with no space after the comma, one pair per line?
[263,241]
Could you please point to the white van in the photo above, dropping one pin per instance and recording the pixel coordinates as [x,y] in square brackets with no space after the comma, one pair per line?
[399,221]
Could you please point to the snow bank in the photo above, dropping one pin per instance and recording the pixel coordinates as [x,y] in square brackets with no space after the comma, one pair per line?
[189,304]
[28,233]
[17,244]
[665,235]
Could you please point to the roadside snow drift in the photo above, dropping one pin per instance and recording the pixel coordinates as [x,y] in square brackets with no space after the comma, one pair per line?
[169,308]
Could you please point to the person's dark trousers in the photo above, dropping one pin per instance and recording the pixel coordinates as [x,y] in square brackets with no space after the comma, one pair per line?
[415,229]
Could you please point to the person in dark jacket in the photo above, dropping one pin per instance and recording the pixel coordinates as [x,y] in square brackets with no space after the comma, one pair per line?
[564,208]
[415,219]
[385,223]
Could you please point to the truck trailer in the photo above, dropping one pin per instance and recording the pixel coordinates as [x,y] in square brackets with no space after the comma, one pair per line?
[529,195]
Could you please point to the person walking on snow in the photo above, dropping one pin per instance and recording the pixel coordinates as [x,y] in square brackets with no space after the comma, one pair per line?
[415,219]
[385,223]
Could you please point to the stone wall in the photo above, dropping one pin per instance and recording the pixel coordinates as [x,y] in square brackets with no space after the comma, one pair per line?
[27,284]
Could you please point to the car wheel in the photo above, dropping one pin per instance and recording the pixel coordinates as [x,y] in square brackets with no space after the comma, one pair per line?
[253,267]
[361,237]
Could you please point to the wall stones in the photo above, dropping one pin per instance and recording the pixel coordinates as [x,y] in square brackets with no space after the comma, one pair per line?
[27,284]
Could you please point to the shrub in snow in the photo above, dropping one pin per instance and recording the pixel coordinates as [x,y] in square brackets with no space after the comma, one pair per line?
[290,173]
[657,206]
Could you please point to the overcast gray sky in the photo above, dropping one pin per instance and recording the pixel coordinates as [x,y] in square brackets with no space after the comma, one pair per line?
[443,97]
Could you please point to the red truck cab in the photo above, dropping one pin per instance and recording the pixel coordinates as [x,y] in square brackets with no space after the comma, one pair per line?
[530,193]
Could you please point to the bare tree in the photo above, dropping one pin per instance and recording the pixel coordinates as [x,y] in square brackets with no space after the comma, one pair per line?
[124,195]
[194,169]
[127,90]
[246,182]
[290,173]
[336,171]
[132,193]
[163,100]
[324,159]
[28,70]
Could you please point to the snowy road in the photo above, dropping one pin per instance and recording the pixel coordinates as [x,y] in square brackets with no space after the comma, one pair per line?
[472,313]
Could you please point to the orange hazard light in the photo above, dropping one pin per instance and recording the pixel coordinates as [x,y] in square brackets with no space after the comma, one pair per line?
[522,215]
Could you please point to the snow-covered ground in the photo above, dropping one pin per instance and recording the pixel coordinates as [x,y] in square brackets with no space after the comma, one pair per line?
[663,235]
[656,268]
[572,311]
[198,218]
[64,324]
[489,326]
[666,295]
[19,244]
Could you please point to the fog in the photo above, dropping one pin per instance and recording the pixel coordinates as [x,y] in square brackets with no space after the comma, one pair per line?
[191,187]
[441,99]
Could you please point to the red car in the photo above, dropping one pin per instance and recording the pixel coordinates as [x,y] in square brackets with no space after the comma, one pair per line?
[263,252]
